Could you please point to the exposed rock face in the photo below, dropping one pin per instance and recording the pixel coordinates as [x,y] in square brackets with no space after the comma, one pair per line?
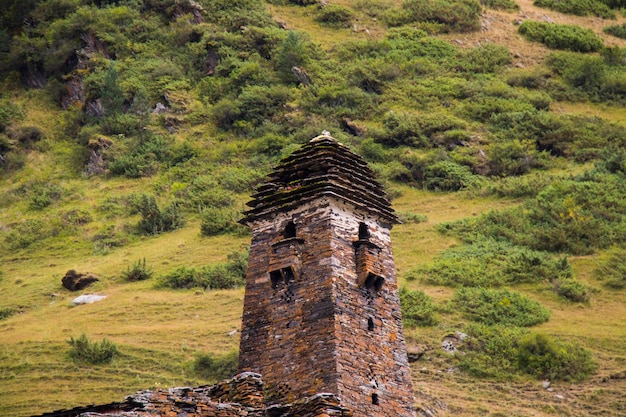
[240,396]
[321,310]
[76,281]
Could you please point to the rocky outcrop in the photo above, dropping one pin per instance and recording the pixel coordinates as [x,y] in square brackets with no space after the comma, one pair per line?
[242,395]
[76,281]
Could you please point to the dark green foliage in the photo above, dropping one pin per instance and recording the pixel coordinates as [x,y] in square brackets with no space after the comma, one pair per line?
[578,7]
[291,53]
[138,272]
[231,274]
[218,220]
[448,176]
[334,15]
[9,113]
[111,93]
[517,187]
[575,216]
[491,351]
[572,136]
[499,307]
[418,309]
[454,15]
[5,313]
[572,290]
[512,157]
[154,220]
[612,269]
[486,58]
[508,5]
[216,367]
[618,31]
[544,357]
[556,36]
[43,194]
[84,351]
[490,263]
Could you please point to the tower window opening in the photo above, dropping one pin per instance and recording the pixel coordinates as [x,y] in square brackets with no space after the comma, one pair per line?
[375,400]
[374,282]
[364,233]
[281,276]
[370,324]
[290,230]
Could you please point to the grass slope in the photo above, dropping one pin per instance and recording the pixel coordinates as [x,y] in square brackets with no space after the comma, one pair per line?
[159,332]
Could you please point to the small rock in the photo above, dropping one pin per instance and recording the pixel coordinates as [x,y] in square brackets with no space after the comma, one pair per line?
[88,299]
[559,396]
[545,384]
[232,333]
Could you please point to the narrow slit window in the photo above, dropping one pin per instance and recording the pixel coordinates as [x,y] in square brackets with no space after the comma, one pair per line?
[370,324]
[375,399]
[364,233]
[276,278]
[290,230]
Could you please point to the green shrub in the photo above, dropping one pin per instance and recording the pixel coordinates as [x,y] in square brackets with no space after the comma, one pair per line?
[575,216]
[499,306]
[486,58]
[556,36]
[231,274]
[491,263]
[154,220]
[217,221]
[9,113]
[216,367]
[138,272]
[6,312]
[612,269]
[448,176]
[456,15]
[572,290]
[618,31]
[578,7]
[517,187]
[508,5]
[334,15]
[82,350]
[43,194]
[512,157]
[491,351]
[418,308]
[544,357]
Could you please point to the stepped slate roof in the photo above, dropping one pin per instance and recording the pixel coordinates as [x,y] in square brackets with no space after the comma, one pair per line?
[322,167]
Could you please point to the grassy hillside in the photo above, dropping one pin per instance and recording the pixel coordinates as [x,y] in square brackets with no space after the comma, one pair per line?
[137,129]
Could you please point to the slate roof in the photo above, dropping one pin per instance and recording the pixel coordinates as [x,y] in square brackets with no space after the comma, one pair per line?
[322,167]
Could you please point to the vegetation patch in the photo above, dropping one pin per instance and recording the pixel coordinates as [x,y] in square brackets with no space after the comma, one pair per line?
[578,7]
[228,275]
[138,272]
[418,309]
[572,290]
[619,31]
[556,36]
[490,263]
[508,5]
[544,357]
[576,216]
[491,351]
[454,16]
[84,351]
[500,307]
[612,269]
[211,367]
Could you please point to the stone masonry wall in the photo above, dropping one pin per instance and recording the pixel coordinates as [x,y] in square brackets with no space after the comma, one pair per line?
[288,326]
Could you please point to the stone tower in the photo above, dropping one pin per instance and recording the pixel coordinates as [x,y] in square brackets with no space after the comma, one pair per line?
[321,309]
